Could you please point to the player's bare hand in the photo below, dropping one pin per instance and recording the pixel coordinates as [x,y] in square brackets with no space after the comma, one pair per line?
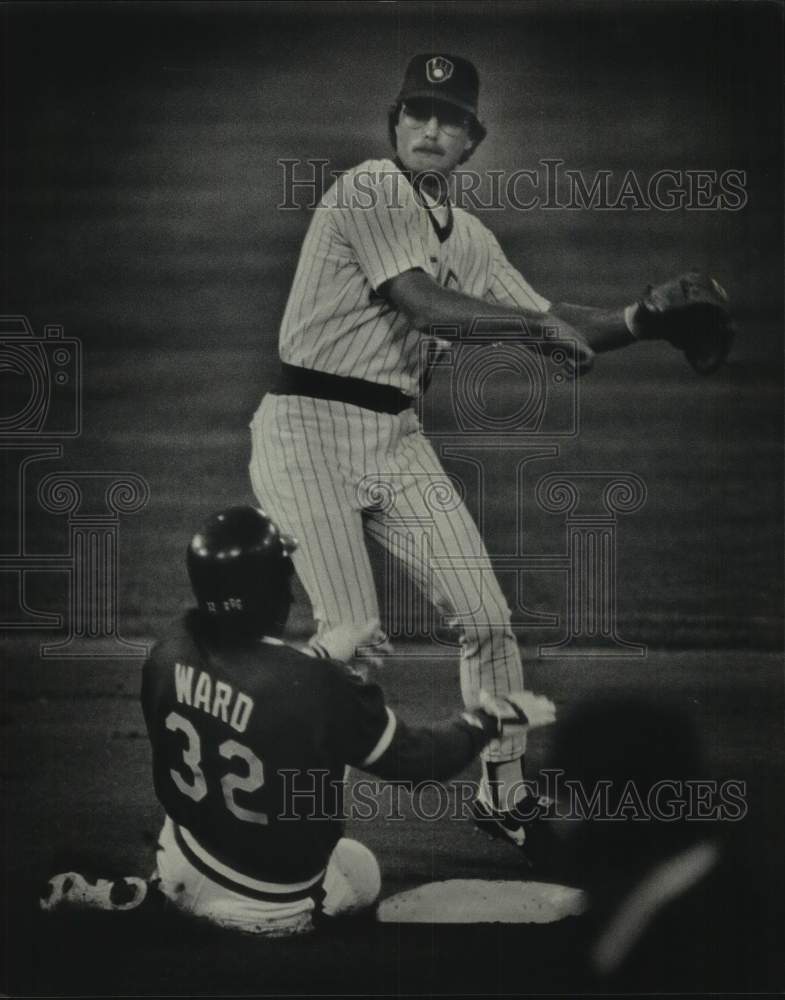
[520,709]
[348,642]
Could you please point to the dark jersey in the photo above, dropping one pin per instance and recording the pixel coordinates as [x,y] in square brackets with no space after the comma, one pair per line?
[250,743]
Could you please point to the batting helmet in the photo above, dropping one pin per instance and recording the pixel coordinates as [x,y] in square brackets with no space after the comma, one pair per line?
[240,569]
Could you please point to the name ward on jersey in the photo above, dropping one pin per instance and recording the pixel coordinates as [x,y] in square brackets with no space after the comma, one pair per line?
[212,696]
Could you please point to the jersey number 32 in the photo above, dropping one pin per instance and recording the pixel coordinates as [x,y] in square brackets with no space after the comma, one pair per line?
[196,787]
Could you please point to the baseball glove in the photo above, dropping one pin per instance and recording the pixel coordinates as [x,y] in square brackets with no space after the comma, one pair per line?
[690,311]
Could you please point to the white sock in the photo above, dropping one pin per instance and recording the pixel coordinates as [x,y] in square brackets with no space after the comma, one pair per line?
[502,785]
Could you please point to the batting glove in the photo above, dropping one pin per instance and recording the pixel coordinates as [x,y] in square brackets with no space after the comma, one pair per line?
[520,710]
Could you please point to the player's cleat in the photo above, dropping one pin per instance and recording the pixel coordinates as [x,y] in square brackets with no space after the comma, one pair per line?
[70,890]
[518,826]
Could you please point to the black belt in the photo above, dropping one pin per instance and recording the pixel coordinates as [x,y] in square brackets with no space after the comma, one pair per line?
[295,381]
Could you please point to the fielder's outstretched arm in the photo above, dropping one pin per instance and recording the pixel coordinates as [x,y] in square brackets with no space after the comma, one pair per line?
[426,303]
[604,329]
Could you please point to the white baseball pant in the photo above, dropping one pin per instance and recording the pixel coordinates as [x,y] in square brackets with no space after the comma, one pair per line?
[350,884]
[327,472]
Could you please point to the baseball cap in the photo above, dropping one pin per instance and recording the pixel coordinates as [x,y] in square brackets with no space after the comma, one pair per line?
[442,77]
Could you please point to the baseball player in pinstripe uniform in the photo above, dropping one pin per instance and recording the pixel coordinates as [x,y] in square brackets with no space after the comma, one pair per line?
[338,452]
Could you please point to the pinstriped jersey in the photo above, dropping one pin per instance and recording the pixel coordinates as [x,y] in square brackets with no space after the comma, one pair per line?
[369,227]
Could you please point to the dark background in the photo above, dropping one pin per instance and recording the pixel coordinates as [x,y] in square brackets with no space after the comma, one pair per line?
[140,192]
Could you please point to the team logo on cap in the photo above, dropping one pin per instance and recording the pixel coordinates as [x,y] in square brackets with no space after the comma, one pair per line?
[438,69]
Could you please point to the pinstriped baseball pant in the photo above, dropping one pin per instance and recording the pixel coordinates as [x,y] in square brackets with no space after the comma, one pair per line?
[328,472]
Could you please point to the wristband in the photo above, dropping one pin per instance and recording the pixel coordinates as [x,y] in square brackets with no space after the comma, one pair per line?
[491,725]
[630,317]
[521,718]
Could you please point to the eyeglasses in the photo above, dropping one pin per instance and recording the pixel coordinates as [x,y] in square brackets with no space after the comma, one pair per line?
[418,111]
